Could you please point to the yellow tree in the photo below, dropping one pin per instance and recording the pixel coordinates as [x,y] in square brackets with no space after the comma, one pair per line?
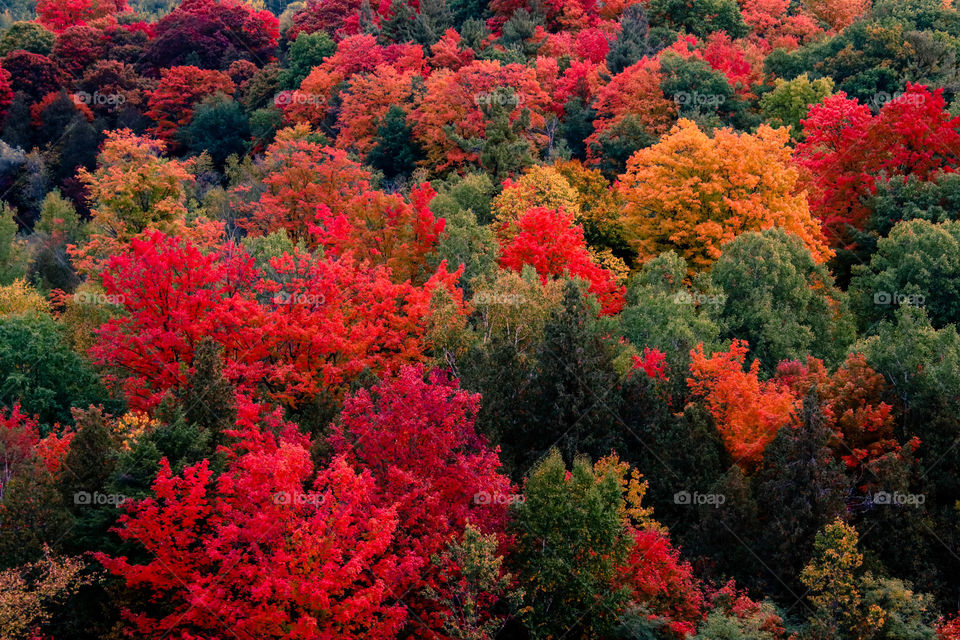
[539,186]
[692,193]
[132,190]
[834,587]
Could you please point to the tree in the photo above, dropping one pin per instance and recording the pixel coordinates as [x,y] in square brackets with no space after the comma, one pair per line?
[632,94]
[33,74]
[914,265]
[58,16]
[416,438]
[777,298]
[134,189]
[214,33]
[27,36]
[692,193]
[570,540]
[219,127]
[179,91]
[789,102]
[834,590]
[228,528]
[394,150]
[699,18]
[300,177]
[307,50]
[748,412]
[549,241]
[847,149]
[838,13]
[42,373]
[383,229]
[632,40]
[369,99]
[454,102]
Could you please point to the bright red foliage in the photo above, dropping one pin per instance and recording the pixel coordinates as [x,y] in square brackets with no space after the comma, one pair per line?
[180,89]
[846,149]
[58,15]
[383,229]
[256,554]
[327,322]
[417,438]
[659,579]
[549,241]
[653,362]
[21,446]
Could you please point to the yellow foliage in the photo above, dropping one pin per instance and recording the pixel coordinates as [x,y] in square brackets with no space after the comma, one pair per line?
[692,193]
[539,186]
[19,298]
[131,426]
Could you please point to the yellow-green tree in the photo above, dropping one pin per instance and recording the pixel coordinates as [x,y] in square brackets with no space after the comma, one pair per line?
[835,588]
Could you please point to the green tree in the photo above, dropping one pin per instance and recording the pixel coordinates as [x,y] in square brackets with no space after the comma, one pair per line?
[28,36]
[306,52]
[789,101]
[569,539]
[395,152]
[918,264]
[39,370]
[219,127]
[700,18]
[779,300]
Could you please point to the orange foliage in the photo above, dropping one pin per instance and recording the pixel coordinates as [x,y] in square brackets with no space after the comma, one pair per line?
[692,193]
[171,103]
[748,413]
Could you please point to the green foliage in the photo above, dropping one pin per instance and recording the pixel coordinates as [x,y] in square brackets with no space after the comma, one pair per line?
[702,94]
[394,151]
[663,314]
[617,143]
[789,101]
[917,264]
[39,370]
[14,255]
[779,300]
[700,18]
[28,36]
[901,198]
[473,192]
[466,242]
[306,51]
[631,43]
[569,539]
[219,127]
